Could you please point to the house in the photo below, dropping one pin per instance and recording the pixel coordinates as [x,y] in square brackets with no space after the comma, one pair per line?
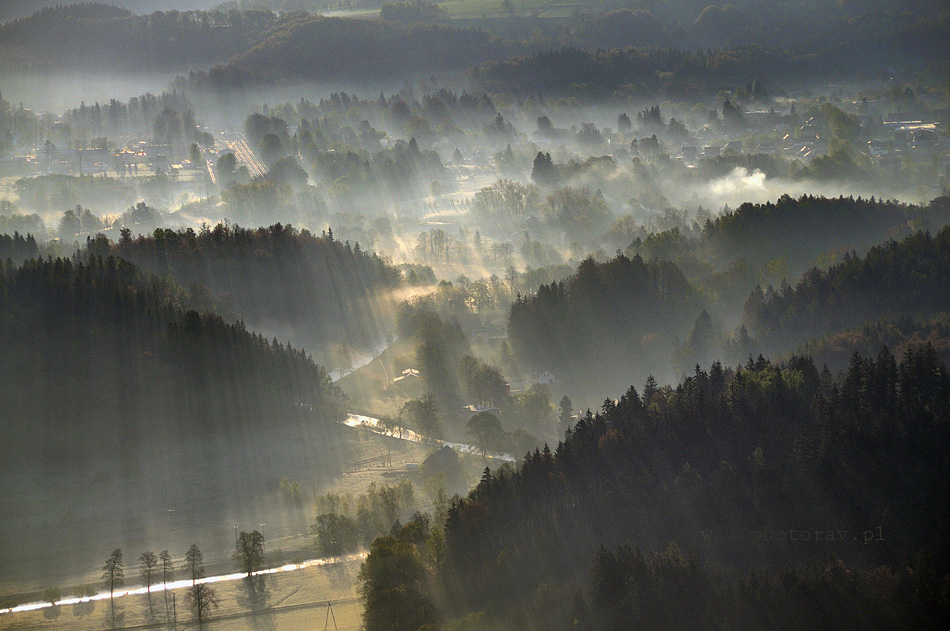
[767,148]
[409,375]
[446,462]
[545,378]
[477,409]
[410,382]
[711,152]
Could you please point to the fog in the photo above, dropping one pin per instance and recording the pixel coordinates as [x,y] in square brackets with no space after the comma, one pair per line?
[58,91]
[519,299]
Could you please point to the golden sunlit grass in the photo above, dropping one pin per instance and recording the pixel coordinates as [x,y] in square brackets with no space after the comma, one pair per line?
[282,606]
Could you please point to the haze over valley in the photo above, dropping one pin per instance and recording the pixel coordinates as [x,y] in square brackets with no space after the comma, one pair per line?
[474,315]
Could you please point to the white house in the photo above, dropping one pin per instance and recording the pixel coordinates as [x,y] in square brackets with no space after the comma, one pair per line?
[544,377]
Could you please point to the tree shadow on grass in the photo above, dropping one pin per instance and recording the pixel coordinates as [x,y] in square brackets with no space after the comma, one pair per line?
[255,597]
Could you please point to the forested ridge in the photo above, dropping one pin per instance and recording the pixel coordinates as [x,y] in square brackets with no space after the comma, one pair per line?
[308,47]
[115,39]
[264,45]
[652,310]
[315,286]
[898,333]
[906,278]
[619,313]
[17,247]
[844,48]
[776,447]
[593,54]
[797,231]
[98,356]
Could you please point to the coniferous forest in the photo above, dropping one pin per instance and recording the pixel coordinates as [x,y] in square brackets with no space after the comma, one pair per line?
[317,288]
[708,487]
[474,315]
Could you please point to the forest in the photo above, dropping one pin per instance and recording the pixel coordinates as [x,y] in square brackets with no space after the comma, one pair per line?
[317,289]
[474,315]
[762,448]
[91,328]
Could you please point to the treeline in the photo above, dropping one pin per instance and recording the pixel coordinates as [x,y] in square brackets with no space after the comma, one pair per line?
[451,377]
[898,333]
[29,230]
[345,523]
[415,11]
[168,116]
[347,164]
[312,47]
[12,221]
[16,247]
[100,357]
[857,47]
[56,192]
[109,38]
[727,465]
[137,115]
[641,306]
[577,213]
[898,278]
[692,295]
[669,590]
[794,234]
[311,287]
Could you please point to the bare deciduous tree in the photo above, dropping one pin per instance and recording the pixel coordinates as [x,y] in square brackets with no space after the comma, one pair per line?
[168,572]
[113,576]
[202,600]
[149,564]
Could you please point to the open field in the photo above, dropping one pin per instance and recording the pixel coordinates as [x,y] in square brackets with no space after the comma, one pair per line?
[82,513]
[523,8]
[293,600]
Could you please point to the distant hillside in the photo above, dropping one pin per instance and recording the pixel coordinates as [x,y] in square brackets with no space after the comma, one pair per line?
[314,290]
[898,333]
[606,324]
[12,9]
[104,38]
[309,47]
[593,53]
[98,355]
[845,48]
[796,232]
[909,277]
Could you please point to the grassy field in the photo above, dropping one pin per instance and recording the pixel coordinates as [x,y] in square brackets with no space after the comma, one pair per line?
[292,600]
[59,526]
[523,8]
[290,537]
